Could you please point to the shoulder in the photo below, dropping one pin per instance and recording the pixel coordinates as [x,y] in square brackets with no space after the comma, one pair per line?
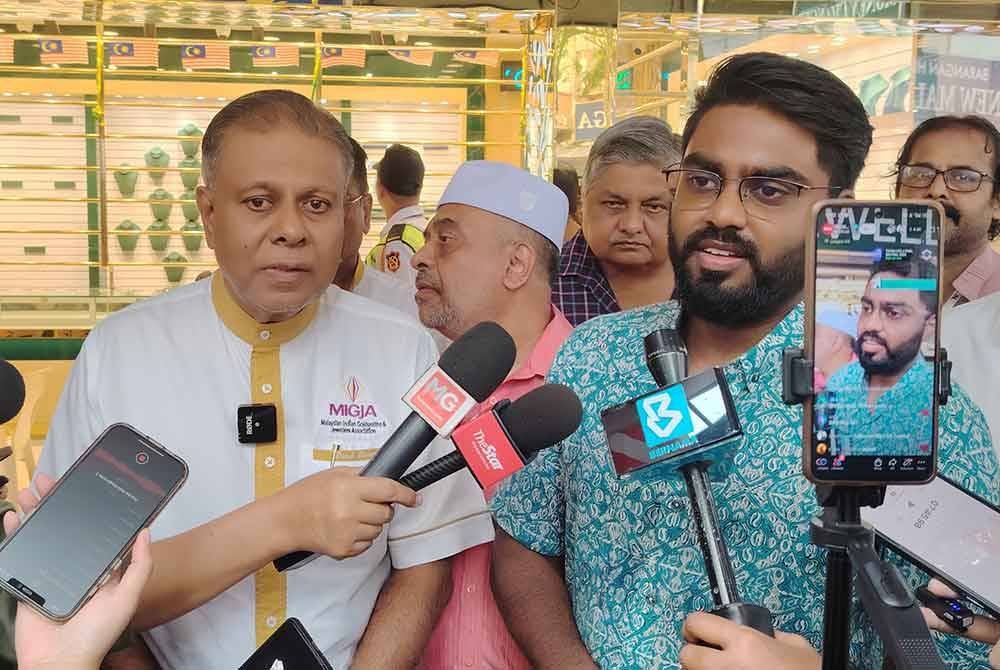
[363,314]
[601,341]
[178,308]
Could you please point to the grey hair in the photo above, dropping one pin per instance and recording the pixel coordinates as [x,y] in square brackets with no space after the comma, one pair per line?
[263,110]
[637,139]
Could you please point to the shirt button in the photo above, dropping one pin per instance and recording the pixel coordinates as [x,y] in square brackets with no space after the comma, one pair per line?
[265,335]
[470,589]
[269,462]
[469,661]
[271,621]
[265,388]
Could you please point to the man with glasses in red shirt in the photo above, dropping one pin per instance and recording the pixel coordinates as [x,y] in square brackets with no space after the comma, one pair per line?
[955,160]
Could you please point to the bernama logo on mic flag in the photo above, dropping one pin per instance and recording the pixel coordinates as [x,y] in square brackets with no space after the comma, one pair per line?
[665,417]
[439,400]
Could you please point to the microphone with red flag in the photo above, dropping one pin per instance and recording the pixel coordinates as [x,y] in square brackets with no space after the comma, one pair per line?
[500,442]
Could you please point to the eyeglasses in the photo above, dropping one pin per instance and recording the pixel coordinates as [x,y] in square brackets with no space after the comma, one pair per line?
[961,180]
[761,196]
[355,200]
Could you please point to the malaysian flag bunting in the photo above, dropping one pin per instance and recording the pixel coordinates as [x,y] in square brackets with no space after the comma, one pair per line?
[421,57]
[490,58]
[63,52]
[336,56]
[205,56]
[133,53]
[275,55]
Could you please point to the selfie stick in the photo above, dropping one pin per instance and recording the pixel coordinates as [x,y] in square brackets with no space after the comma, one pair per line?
[850,546]
[666,358]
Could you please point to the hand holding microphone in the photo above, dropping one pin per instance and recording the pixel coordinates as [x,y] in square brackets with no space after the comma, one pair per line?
[468,372]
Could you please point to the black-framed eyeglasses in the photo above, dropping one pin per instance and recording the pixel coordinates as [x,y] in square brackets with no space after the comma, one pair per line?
[761,196]
[961,180]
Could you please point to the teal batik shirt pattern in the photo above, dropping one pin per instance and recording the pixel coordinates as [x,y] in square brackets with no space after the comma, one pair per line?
[899,423]
[633,569]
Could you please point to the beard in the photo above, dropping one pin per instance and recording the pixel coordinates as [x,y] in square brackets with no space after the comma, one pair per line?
[439,315]
[895,361]
[771,288]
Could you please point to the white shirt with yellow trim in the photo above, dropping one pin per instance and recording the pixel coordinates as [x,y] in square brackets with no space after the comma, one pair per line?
[173,369]
[386,289]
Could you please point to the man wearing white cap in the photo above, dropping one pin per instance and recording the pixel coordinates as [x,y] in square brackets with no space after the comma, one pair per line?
[491,251]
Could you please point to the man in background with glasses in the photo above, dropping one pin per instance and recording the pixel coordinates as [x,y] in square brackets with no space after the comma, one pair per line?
[956,160]
[590,568]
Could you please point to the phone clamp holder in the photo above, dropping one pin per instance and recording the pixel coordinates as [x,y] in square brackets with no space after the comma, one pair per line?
[850,546]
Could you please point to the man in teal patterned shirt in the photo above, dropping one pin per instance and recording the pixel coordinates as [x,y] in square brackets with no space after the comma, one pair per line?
[874,404]
[596,571]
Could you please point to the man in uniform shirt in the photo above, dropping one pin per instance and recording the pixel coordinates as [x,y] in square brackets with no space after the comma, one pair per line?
[595,570]
[876,404]
[354,275]
[955,160]
[398,184]
[490,254]
[270,330]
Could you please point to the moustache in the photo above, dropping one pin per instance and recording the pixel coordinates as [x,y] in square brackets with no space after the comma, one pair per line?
[425,280]
[952,213]
[741,246]
[874,337]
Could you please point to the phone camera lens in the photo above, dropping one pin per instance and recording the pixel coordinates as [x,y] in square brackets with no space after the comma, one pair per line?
[142,458]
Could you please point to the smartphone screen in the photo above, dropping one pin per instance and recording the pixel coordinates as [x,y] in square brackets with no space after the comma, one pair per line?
[87,521]
[947,532]
[289,648]
[874,335]
[676,422]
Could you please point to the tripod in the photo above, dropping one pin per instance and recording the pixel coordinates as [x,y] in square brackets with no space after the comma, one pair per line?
[850,546]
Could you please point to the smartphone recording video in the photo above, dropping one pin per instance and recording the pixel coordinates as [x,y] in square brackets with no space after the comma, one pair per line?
[872,332]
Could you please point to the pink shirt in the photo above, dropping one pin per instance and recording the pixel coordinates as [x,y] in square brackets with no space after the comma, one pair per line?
[981,278]
[471,633]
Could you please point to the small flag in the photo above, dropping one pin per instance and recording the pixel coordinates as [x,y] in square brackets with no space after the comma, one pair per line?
[134,53]
[334,56]
[490,58]
[421,57]
[205,56]
[6,49]
[63,51]
[275,55]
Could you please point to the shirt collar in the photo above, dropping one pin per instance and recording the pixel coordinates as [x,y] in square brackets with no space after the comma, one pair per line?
[972,284]
[577,258]
[251,331]
[359,272]
[410,212]
[546,348]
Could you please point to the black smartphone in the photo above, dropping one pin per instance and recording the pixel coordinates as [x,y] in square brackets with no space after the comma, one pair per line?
[65,549]
[872,331]
[678,423]
[289,648]
[947,532]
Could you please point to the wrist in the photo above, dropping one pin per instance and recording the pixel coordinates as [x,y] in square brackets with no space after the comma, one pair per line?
[280,520]
[72,663]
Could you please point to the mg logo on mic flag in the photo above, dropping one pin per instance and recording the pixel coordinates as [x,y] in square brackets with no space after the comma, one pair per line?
[439,400]
[665,416]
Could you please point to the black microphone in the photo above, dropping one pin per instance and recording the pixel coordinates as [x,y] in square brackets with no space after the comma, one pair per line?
[539,419]
[666,358]
[469,370]
[11,391]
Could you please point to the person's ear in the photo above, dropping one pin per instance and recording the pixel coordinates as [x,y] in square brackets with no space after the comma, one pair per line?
[204,199]
[520,264]
[847,194]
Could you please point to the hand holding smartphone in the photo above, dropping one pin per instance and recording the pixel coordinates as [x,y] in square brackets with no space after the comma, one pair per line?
[872,331]
[82,529]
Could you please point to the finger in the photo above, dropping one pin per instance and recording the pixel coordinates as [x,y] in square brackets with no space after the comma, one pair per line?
[704,627]
[43,483]
[358,548]
[984,629]
[693,657]
[382,490]
[934,623]
[375,514]
[938,588]
[367,532]
[135,577]
[10,522]
[792,639]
